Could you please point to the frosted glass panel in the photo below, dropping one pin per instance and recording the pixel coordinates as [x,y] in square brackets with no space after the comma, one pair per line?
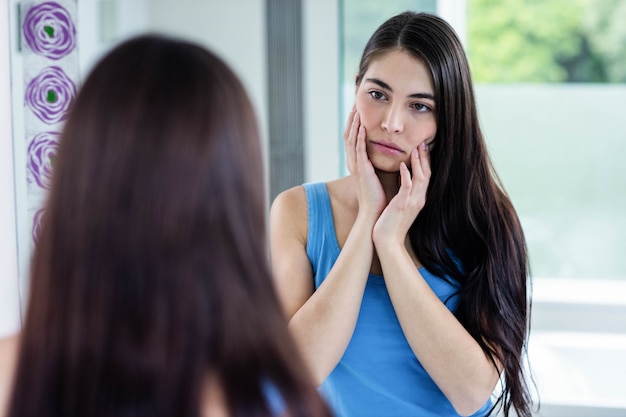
[559,152]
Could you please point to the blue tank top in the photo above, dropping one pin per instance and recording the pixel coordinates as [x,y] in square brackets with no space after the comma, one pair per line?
[378,375]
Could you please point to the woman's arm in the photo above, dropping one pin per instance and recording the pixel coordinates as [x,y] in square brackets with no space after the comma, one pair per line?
[450,355]
[321,321]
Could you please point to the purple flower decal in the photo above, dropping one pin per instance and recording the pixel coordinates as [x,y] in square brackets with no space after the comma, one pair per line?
[37,218]
[49,30]
[41,154]
[50,94]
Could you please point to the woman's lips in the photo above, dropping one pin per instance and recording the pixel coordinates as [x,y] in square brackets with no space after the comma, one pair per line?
[386,148]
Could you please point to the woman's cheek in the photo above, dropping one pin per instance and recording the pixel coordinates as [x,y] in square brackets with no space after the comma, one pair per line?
[365,115]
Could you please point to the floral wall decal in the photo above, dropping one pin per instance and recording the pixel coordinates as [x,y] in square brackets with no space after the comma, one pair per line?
[51,74]
[41,154]
[49,30]
[50,94]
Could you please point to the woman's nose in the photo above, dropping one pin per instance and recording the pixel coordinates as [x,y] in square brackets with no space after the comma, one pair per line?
[392,121]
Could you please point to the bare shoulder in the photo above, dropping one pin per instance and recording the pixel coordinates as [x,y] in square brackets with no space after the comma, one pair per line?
[8,361]
[295,198]
[290,200]
[290,208]
[289,212]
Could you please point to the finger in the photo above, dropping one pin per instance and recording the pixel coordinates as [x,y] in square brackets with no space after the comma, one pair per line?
[363,160]
[354,128]
[350,141]
[416,166]
[360,142]
[420,180]
[405,179]
[424,157]
[421,173]
[349,121]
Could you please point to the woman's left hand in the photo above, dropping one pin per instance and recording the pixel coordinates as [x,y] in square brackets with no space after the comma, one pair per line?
[395,221]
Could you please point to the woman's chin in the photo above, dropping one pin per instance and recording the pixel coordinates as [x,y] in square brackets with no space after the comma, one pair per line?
[386,171]
[387,166]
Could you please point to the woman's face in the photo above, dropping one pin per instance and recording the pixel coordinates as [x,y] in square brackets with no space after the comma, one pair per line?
[396,104]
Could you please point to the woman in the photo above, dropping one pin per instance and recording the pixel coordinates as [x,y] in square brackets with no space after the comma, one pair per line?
[150,287]
[422,208]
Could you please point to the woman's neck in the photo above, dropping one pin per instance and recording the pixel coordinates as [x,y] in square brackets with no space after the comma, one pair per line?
[390,182]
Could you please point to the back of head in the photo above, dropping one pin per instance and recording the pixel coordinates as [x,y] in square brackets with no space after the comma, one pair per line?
[150,272]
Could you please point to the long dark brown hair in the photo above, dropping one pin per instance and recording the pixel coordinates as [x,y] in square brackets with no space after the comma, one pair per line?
[151,270]
[468,218]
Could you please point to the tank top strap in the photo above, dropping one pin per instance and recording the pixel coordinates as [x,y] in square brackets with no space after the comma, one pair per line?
[321,227]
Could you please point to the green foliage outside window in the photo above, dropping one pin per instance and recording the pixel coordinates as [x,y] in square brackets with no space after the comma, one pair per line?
[547,41]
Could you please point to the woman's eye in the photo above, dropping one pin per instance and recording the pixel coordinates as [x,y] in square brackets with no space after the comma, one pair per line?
[421,107]
[377,95]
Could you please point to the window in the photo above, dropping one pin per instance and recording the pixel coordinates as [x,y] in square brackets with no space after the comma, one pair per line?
[549,80]
[550,83]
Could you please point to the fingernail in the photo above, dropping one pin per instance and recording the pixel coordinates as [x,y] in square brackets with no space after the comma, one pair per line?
[424,146]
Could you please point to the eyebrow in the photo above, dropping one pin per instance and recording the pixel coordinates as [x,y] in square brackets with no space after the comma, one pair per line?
[386,86]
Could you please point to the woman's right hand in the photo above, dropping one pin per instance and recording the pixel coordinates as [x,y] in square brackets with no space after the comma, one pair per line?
[370,194]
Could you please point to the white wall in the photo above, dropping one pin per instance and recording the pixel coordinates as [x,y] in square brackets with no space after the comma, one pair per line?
[9,289]
[322,127]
